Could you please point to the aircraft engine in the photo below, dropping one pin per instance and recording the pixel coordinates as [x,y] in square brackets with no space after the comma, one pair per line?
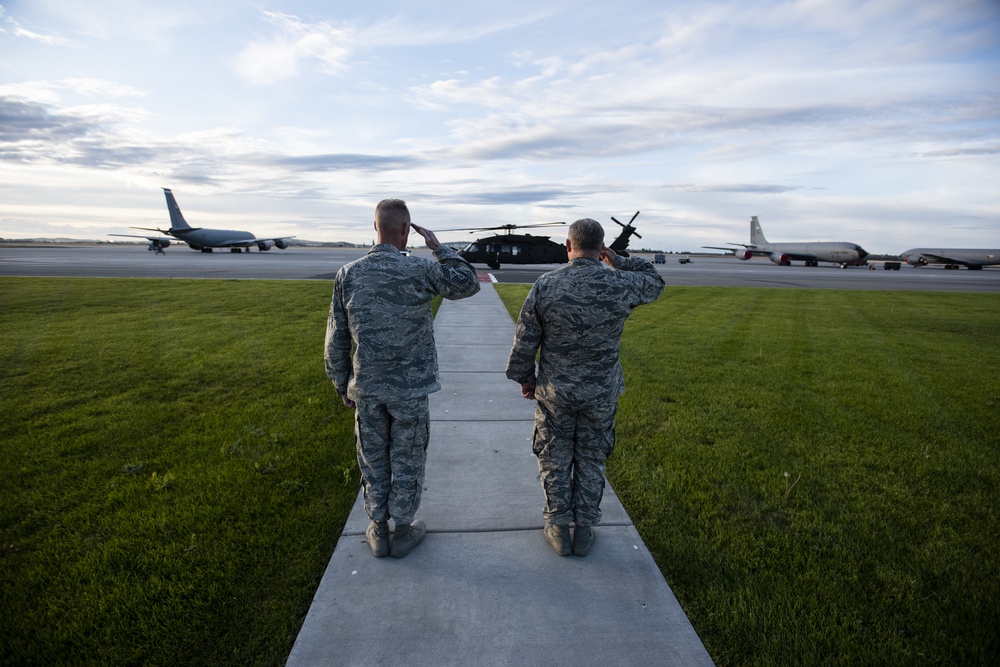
[264,245]
[281,244]
[780,258]
[916,260]
[743,254]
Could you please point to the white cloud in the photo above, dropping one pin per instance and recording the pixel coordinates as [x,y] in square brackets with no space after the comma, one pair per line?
[44,92]
[276,58]
[15,29]
[92,87]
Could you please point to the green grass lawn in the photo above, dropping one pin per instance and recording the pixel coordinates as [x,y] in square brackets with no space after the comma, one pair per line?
[177,469]
[816,472]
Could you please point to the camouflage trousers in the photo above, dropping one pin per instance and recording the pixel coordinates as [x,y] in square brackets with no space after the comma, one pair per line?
[391,439]
[572,446]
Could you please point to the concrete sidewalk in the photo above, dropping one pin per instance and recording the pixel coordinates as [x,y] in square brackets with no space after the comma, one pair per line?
[485,588]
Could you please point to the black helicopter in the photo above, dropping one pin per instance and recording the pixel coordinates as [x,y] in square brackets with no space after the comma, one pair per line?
[513,248]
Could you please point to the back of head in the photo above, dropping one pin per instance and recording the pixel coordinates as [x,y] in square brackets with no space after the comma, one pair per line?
[586,235]
[392,217]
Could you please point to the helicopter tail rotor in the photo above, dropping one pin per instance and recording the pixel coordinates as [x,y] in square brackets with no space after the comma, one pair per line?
[629,225]
[620,244]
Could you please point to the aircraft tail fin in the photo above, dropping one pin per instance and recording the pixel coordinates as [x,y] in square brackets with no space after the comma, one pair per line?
[756,233]
[177,220]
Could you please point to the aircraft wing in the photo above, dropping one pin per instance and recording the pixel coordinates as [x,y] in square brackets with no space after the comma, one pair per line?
[271,238]
[168,239]
[751,248]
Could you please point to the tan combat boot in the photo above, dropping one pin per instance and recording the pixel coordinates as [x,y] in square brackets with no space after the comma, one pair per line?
[583,538]
[377,536]
[407,537]
[558,538]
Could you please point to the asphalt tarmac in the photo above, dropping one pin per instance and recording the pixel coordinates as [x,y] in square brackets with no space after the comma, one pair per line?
[303,263]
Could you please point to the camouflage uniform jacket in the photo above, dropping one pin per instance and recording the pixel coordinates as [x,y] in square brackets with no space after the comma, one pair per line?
[576,314]
[380,332]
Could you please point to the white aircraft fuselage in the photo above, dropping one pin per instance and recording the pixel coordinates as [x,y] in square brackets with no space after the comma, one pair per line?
[204,239]
[210,238]
[952,258]
[836,252]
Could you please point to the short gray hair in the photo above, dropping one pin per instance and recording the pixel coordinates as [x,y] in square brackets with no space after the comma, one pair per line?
[392,215]
[587,235]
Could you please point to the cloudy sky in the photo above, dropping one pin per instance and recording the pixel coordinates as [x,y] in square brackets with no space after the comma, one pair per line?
[871,121]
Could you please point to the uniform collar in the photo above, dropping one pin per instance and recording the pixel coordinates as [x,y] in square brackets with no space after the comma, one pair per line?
[384,247]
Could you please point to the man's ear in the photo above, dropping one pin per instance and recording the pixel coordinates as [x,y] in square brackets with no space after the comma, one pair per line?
[569,246]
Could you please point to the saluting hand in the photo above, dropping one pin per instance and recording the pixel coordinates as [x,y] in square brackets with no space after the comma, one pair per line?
[608,256]
[429,238]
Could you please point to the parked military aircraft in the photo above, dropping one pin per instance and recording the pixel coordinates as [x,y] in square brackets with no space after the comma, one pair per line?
[512,248]
[952,258]
[203,239]
[836,252]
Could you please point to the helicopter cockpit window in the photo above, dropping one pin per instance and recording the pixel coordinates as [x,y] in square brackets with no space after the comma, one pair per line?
[472,247]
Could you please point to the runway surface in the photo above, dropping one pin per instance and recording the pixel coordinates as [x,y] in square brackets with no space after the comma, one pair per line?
[302,263]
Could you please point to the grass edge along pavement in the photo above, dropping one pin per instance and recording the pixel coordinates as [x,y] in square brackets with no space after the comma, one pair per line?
[177,473]
[815,471]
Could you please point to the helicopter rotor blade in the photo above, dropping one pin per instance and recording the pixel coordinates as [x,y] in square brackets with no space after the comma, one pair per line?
[633,220]
[616,220]
[469,229]
[507,227]
[540,224]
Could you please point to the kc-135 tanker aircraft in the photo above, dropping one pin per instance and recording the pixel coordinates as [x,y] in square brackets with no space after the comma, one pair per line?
[203,239]
[952,258]
[836,252]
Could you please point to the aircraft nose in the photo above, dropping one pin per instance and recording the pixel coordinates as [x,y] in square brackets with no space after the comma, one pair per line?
[862,253]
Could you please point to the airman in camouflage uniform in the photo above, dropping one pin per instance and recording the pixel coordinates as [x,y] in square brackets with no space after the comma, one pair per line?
[576,315]
[380,355]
